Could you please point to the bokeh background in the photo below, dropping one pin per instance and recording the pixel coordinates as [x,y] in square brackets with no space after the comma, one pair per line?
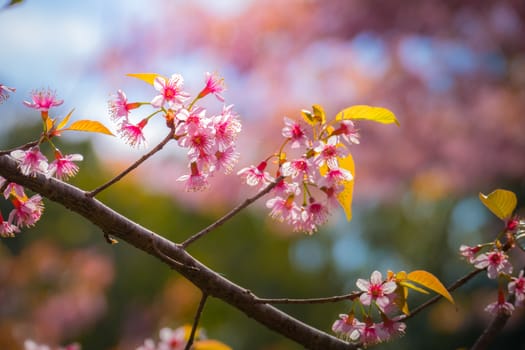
[453,72]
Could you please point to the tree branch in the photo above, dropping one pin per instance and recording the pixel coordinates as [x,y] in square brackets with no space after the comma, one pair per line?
[133,166]
[196,321]
[231,214]
[207,280]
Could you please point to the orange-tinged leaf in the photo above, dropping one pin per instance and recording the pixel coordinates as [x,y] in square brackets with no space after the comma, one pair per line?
[89,126]
[146,77]
[49,123]
[345,196]
[319,114]
[401,299]
[428,280]
[209,344]
[65,120]
[308,116]
[500,202]
[413,286]
[376,114]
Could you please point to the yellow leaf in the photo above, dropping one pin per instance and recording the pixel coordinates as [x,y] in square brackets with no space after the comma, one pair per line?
[146,77]
[65,120]
[430,281]
[377,114]
[346,195]
[308,116]
[401,299]
[500,202]
[209,344]
[413,286]
[89,126]
[319,114]
[49,123]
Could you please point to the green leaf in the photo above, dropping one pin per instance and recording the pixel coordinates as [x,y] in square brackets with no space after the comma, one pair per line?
[426,279]
[376,114]
[89,126]
[500,202]
[146,77]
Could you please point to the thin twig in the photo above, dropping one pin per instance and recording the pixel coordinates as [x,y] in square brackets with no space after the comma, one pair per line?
[141,160]
[231,214]
[170,260]
[452,287]
[196,321]
[332,299]
[25,146]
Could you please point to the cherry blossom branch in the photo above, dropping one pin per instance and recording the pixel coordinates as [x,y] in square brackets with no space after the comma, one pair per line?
[207,280]
[332,299]
[133,166]
[25,146]
[433,300]
[196,321]
[492,330]
[230,214]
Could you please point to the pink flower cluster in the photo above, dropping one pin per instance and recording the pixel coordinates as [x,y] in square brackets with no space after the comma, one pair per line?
[31,345]
[312,176]
[25,213]
[209,140]
[498,266]
[380,294]
[27,210]
[169,339]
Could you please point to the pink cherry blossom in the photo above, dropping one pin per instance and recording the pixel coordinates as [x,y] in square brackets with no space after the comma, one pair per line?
[390,328]
[63,167]
[213,85]
[335,176]
[298,132]
[172,339]
[27,211]
[495,261]
[328,152]
[301,169]
[199,142]
[170,92]
[283,209]
[347,132]
[255,175]
[517,287]
[191,122]
[226,159]
[196,180]
[12,189]
[133,134]
[376,290]
[149,344]
[500,306]
[469,252]
[314,215]
[43,100]
[4,92]
[348,327]
[7,229]
[227,127]
[285,188]
[119,108]
[31,161]
[369,333]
